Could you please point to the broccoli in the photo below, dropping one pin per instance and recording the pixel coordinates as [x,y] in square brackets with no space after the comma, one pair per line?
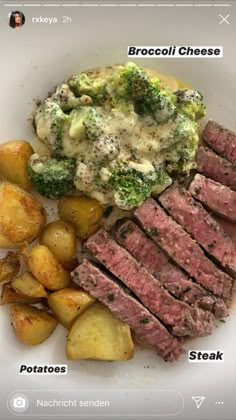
[94,124]
[50,121]
[82,84]
[64,97]
[52,178]
[189,102]
[131,186]
[131,82]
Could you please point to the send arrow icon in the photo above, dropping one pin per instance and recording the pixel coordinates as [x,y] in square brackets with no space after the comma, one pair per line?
[198,401]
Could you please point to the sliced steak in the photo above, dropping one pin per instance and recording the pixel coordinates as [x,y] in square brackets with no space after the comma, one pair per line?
[128,309]
[221,140]
[215,167]
[183,319]
[215,196]
[182,248]
[144,250]
[192,216]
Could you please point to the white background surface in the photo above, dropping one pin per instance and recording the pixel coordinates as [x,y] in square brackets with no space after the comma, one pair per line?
[36,58]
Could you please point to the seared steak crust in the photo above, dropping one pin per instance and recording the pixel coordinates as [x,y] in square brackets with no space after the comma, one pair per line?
[215,196]
[221,140]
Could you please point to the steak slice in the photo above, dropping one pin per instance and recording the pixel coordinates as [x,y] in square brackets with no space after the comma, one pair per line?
[128,309]
[192,216]
[221,140]
[215,167]
[182,248]
[183,319]
[144,250]
[215,196]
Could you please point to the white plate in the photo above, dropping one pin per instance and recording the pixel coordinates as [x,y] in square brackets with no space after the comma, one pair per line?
[36,58]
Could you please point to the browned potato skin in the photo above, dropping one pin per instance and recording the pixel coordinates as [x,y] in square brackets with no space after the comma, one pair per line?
[67,304]
[22,216]
[31,325]
[84,212]
[9,295]
[9,267]
[98,334]
[6,244]
[46,269]
[27,285]
[60,238]
[14,156]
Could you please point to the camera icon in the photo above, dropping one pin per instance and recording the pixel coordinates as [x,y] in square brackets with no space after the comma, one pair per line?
[18,403]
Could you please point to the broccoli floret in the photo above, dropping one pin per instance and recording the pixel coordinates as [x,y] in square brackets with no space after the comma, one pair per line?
[81,84]
[132,83]
[131,186]
[189,102]
[94,124]
[51,177]
[50,122]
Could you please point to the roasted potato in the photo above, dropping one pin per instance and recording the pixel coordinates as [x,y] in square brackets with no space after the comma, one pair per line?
[14,156]
[45,267]
[9,295]
[67,304]
[9,267]
[60,238]
[6,244]
[85,213]
[22,216]
[98,334]
[27,285]
[31,325]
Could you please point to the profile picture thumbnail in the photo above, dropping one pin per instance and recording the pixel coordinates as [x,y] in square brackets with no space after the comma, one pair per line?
[16,19]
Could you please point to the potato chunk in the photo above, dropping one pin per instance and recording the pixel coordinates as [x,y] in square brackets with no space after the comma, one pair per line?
[45,267]
[27,285]
[14,156]
[98,334]
[83,212]
[9,295]
[60,238]
[67,304]
[9,267]
[22,216]
[31,325]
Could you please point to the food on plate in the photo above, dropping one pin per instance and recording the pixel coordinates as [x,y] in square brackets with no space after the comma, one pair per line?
[14,157]
[83,212]
[27,285]
[213,166]
[183,249]
[147,327]
[51,177]
[192,216]
[148,253]
[6,244]
[22,216]
[162,267]
[46,269]
[31,325]
[221,139]
[98,334]
[67,304]
[180,317]
[9,267]
[59,236]
[215,196]
[125,132]
[9,295]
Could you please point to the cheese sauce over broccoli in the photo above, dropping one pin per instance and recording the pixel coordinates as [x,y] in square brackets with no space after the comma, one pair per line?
[125,133]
